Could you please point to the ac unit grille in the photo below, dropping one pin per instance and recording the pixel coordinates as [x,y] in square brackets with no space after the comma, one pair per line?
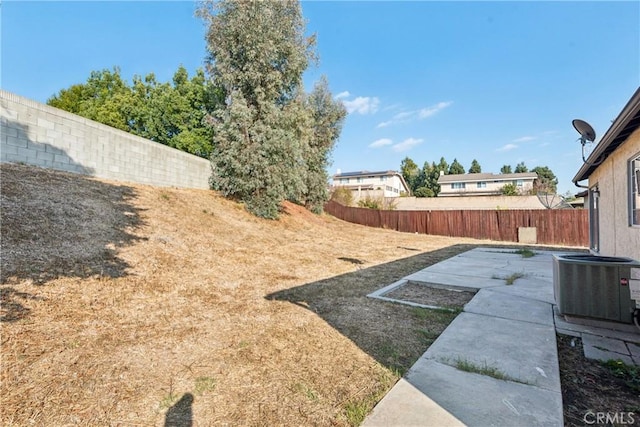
[591,286]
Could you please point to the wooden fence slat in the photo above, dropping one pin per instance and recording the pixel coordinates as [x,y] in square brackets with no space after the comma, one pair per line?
[553,226]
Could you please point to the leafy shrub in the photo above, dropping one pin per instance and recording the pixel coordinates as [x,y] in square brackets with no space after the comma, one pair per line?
[371,203]
[424,192]
[342,195]
[379,203]
[509,190]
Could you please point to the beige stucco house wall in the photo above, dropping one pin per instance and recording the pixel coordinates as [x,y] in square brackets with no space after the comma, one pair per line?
[612,192]
[617,236]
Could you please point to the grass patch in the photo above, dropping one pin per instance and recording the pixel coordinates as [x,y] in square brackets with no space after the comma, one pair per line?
[168,400]
[509,280]
[356,410]
[307,391]
[436,314]
[204,384]
[526,253]
[393,359]
[428,337]
[629,374]
[490,371]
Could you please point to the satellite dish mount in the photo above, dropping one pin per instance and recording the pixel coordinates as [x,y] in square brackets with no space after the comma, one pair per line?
[587,135]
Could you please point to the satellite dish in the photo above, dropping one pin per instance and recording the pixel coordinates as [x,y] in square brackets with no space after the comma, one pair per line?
[553,201]
[587,134]
[585,130]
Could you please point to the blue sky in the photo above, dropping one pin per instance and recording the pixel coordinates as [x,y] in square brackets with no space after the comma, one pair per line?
[498,82]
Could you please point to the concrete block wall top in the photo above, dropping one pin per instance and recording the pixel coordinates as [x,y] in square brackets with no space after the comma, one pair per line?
[85,146]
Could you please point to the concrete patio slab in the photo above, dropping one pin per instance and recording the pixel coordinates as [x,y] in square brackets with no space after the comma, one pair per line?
[634,350]
[410,407]
[561,323]
[530,287]
[498,304]
[595,353]
[465,267]
[511,328]
[608,344]
[476,400]
[485,341]
[473,282]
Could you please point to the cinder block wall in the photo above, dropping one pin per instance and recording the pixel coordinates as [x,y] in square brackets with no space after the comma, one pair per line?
[41,135]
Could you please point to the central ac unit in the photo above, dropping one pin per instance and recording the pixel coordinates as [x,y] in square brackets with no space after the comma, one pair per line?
[595,286]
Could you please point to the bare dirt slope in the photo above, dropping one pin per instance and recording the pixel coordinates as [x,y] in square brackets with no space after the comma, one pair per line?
[133,305]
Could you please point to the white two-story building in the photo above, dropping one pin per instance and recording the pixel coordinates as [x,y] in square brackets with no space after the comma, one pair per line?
[374,184]
[484,184]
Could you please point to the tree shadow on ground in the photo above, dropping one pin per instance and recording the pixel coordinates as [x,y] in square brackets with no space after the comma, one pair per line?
[395,335]
[57,224]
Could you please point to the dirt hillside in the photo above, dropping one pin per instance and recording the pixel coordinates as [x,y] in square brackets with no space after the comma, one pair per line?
[128,304]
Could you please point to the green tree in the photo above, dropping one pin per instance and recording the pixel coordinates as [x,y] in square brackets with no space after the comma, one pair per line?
[431,173]
[410,172]
[169,114]
[443,166]
[521,168]
[196,98]
[257,54]
[327,116]
[475,167]
[105,98]
[505,169]
[456,168]
[546,182]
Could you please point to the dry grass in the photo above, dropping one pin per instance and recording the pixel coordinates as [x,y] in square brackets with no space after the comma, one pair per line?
[134,305]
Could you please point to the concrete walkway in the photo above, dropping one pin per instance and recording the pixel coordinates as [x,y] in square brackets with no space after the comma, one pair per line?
[497,363]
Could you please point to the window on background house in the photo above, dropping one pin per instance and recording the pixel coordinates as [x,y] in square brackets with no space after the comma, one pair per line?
[344,180]
[634,190]
[482,185]
[358,179]
[457,185]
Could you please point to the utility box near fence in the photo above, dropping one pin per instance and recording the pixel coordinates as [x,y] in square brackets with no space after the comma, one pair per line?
[527,235]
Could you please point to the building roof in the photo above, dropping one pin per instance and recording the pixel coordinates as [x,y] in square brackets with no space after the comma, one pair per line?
[478,177]
[624,125]
[363,174]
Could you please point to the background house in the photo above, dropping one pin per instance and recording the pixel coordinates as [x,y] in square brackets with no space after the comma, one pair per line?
[613,171]
[372,184]
[484,184]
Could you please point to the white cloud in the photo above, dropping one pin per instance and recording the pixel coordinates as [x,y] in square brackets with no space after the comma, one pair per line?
[507,147]
[344,94]
[525,139]
[380,143]
[408,116]
[407,144]
[430,111]
[403,116]
[362,105]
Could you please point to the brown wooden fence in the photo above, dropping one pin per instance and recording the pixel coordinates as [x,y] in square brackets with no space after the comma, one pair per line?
[554,226]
